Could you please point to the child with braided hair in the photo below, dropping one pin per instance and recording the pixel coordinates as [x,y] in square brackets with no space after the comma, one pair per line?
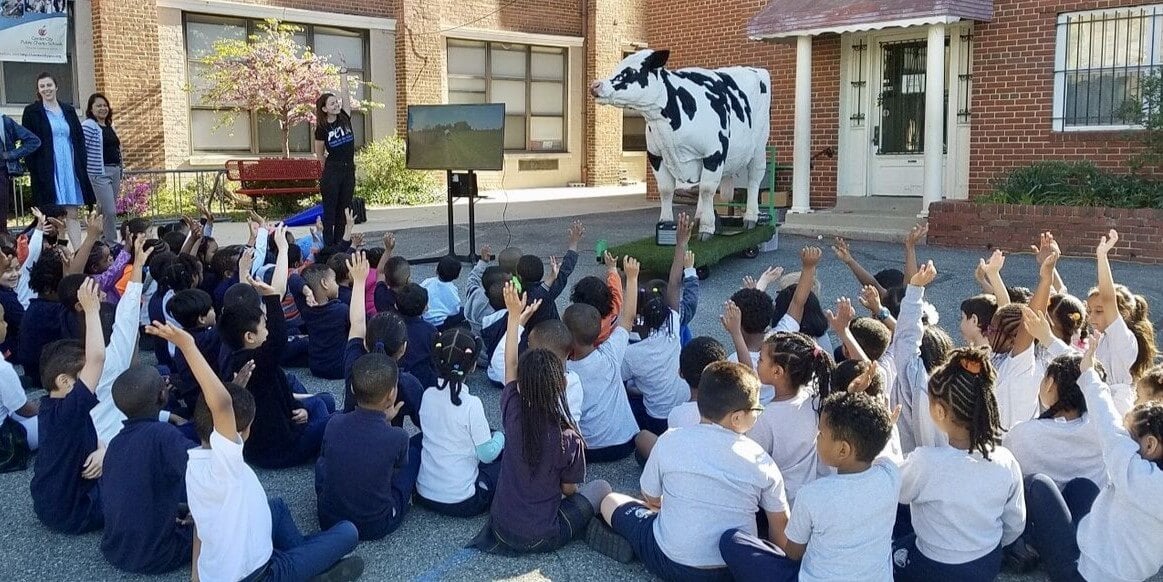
[801,373]
[458,466]
[541,502]
[1124,318]
[966,499]
[1014,361]
[1112,534]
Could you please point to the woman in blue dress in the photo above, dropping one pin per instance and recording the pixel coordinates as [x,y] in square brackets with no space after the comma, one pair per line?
[57,168]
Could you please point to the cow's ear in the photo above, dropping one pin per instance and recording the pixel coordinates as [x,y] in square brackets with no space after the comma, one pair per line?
[657,59]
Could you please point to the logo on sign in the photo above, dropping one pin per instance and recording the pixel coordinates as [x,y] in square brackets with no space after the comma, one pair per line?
[43,31]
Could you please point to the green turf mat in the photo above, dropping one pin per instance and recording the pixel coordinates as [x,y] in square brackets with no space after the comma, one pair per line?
[656,259]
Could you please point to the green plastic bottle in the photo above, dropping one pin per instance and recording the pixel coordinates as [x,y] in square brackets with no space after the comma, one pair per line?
[600,249]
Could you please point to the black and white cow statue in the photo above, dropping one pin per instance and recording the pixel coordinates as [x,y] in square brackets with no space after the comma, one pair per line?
[705,127]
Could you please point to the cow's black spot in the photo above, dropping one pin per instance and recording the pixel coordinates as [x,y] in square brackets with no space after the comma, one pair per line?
[655,160]
[629,76]
[714,161]
[740,104]
[689,107]
[670,111]
[762,88]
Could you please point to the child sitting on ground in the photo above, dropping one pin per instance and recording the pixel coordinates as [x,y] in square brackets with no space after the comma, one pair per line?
[443,295]
[542,501]
[607,422]
[476,301]
[604,295]
[841,525]
[143,481]
[239,534]
[193,310]
[371,491]
[695,356]
[553,335]
[64,486]
[712,478]
[458,470]
[1125,320]
[411,302]
[17,414]
[531,271]
[327,323]
[394,273]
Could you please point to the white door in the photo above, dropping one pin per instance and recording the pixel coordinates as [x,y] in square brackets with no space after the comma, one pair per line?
[897,153]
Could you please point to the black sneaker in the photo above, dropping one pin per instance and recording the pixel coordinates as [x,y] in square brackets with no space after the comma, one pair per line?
[345,570]
[1020,558]
[607,542]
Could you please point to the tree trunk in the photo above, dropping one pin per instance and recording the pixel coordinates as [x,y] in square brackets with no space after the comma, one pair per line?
[286,140]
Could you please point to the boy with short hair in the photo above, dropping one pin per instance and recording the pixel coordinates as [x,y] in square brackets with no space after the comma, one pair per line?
[193,309]
[713,479]
[553,335]
[371,491]
[841,526]
[443,296]
[531,271]
[287,431]
[327,322]
[239,534]
[476,302]
[699,353]
[411,302]
[607,422]
[394,272]
[65,492]
[976,315]
[143,482]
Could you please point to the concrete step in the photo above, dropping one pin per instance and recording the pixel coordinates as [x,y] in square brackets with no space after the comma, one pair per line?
[900,205]
[884,219]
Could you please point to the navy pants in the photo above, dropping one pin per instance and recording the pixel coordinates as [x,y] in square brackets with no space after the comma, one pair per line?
[610,454]
[1052,517]
[751,559]
[305,448]
[910,565]
[297,557]
[645,421]
[635,522]
[403,485]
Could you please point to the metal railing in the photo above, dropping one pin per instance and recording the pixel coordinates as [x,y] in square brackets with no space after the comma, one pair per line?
[163,193]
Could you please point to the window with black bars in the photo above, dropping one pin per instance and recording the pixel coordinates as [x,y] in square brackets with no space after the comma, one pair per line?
[901,99]
[1102,58]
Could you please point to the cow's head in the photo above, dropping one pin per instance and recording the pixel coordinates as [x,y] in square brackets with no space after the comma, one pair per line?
[634,85]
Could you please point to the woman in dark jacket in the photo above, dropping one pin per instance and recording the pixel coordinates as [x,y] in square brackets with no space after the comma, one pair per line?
[57,168]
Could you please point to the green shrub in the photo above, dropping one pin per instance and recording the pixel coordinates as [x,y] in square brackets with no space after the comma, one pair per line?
[382,179]
[1058,183]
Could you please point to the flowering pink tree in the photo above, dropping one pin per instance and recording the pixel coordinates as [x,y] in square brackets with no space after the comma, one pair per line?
[271,73]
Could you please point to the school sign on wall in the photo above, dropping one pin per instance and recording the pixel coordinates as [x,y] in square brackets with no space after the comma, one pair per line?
[34,31]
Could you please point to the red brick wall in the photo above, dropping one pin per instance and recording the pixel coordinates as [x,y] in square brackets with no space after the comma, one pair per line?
[611,27]
[701,34]
[379,8]
[1013,92]
[1012,227]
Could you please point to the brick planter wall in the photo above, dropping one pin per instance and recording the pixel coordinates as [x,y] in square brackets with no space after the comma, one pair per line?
[1013,227]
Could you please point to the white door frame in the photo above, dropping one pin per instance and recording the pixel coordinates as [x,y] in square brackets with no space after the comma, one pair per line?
[859,85]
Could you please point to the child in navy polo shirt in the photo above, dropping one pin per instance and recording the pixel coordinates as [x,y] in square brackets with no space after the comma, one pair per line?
[287,431]
[327,323]
[10,301]
[371,491]
[532,271]
[386,334]
[144,486]
[411,302]
[239,534]
[193,309]
[396,273]
[65,493]
[42,319]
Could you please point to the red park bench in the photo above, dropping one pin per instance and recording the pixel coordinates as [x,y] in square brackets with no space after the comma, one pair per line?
[275,177]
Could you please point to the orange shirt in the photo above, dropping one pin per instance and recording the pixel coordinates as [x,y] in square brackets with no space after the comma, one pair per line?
[614,282]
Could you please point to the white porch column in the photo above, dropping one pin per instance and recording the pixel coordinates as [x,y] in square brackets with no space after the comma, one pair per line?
[934,117]
[802,151]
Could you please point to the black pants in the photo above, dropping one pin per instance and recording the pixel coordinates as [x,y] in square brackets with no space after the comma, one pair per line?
[337,185]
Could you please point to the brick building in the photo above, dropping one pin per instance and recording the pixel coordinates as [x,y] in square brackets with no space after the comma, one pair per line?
[1016,81]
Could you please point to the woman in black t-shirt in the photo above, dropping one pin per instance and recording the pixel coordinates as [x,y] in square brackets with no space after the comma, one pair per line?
[335,147]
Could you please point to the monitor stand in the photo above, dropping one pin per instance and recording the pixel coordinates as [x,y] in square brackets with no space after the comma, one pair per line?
[460,185]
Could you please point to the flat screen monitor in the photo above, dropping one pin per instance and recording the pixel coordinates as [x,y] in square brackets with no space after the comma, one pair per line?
[456,137]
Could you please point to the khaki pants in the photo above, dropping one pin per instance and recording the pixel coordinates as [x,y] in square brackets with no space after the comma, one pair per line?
[106,188]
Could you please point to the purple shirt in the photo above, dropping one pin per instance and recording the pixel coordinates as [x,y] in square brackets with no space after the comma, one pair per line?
[527,498]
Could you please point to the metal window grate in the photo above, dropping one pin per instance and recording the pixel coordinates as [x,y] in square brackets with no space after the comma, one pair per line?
[859,83]
[1102,59]
[902,97]
[965,79]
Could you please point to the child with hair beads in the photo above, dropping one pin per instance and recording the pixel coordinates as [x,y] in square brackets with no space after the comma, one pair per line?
[458,466]
[650,363]
[41,324]
[542,502]
[1112,533]
[699,482]
[966,499]
[841,525]
[239,534]
[801,372]
[385,334]
[65,493]
[1013,355]
[1124,319]
[916,351]
[607,422]
[147,527]
[371,491]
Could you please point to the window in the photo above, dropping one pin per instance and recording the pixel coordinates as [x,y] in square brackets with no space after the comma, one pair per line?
[259,133]
[1100,58]
[633,126]
[529,80]
[18,80]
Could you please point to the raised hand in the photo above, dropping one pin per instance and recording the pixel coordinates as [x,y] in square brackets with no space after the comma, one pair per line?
[576,231]
[281,237]
[170,333]
[389,240]
[242,376]
[810,257]
[995,263]
[840,247]
[486,253]
[1091,349]
[916,234]
[95,225]
[683,235]
[748,282]
[925,275]
[1108,242]
[732,318]
[631,267]
[245,263]
[1049,263]
[357,239]
[1046,245]
[610,261]
[1037,325]
[689,260]
[864,380]
[262,287]
[843,315]
[554,267]
[89,296]
[141,253]
[358,266]
[260,221]
[870,298]
[514,301]
[769,276]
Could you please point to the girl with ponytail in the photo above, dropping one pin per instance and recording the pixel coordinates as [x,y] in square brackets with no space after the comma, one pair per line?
[801,372]
[459,463]
[1124,318]
[967,497]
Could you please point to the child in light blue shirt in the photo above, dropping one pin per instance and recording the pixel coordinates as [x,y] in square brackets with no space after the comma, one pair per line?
[443,296]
